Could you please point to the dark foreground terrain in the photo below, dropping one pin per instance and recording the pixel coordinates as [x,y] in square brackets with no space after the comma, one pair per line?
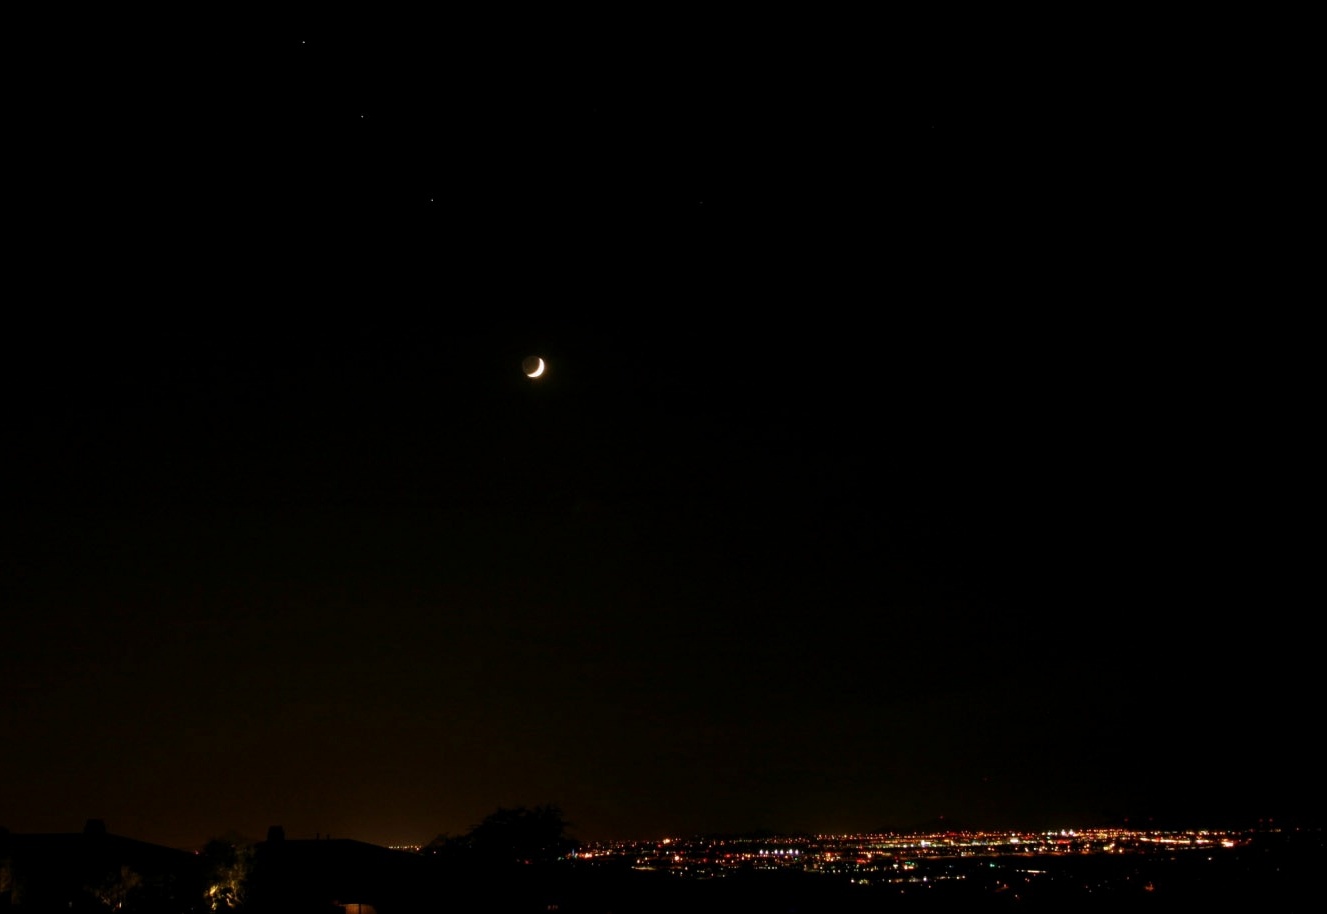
[95,872]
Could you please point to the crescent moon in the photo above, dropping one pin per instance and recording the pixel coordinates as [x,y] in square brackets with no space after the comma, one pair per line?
[537,371]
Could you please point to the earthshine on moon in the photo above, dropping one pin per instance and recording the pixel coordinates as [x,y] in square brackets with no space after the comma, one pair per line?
[533,366]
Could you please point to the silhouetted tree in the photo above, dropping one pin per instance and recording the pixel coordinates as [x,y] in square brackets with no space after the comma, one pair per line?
[118,889]
[229,867]
[519,835]
[6,882]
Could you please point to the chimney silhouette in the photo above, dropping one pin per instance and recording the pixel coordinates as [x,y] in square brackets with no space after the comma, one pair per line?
[94,827]
[275,833]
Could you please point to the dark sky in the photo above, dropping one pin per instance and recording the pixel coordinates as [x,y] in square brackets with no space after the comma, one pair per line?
[889,463]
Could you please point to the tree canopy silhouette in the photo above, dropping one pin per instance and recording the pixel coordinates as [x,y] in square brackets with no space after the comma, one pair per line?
[519,835]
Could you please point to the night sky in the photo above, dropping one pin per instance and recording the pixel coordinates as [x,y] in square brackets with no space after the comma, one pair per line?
[891,462]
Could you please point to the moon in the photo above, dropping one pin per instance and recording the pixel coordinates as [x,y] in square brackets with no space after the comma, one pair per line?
[533,366]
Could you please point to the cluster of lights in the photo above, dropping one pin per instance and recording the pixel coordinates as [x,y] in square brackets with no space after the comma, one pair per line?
[874,852]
